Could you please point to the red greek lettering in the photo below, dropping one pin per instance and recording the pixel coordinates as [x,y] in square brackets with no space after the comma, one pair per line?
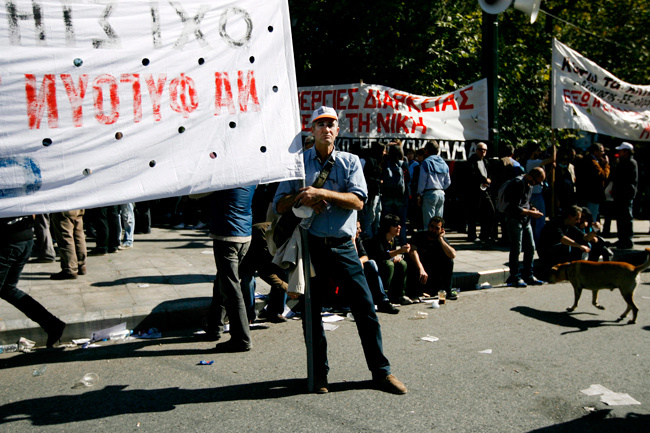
[134,80]
[449,101]
[351,93]
[223,94]
[38,100]
[247,92]
[156,88]
[113,94]
[186,100]
[464,98]
[371,100]
[76,95]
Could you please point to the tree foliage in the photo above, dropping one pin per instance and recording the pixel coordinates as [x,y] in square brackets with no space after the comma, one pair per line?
[433,47]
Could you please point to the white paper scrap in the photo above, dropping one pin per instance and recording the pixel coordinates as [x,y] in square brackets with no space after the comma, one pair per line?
[609,397]
[333,318]
[105,334]
[329,326]
[488,351]
[430,338]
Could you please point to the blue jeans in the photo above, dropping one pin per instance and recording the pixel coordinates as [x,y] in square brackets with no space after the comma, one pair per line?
[521,237]
[342,263]
[537,224]
[374,282]
[127,219]
[227,297]
[370,216]
[433,204]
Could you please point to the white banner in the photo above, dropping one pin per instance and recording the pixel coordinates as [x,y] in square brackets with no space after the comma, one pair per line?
[108,101]
[587,97]
[370,110]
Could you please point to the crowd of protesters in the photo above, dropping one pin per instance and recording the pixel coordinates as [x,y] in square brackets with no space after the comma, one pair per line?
[399,239]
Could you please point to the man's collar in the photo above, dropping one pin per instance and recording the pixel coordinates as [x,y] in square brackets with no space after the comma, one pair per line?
[316,156]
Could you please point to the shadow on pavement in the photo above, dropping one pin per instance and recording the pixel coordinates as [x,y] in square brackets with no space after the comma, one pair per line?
[180,279]
[598,421]
[117,400]
[565,319]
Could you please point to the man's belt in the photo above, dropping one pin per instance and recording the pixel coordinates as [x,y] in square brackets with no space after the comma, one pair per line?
[329,241]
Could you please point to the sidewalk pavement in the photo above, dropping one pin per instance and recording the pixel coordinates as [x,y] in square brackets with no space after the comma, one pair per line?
[165,281]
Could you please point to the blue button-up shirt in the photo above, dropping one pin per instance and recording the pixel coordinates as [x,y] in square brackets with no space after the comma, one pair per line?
[346,176]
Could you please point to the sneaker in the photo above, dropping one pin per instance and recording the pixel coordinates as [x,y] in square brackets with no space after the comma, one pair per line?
[387,307]
[516,283]
[321,386]
[63,276]
[96,252]
[391,384]
[405,300]
[125,247]
[533,281]
[82,270]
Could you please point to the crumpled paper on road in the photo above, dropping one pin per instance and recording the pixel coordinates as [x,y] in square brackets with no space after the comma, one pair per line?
[609,397]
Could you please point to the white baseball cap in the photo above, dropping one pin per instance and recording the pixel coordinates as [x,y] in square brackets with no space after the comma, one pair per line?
[625,146]
[324,112]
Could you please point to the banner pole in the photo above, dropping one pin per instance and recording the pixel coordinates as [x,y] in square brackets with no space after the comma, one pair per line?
[307,313]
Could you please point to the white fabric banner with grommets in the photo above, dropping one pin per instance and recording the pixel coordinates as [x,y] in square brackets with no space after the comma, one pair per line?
[109,101]
[589,98]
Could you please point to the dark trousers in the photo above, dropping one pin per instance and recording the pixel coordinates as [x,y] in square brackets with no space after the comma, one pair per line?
[227,292]
[13,257]
[107,228]
[480,209]
[342,263]
[624,218]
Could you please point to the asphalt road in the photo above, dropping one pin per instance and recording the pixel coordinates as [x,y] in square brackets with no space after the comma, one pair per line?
[541,358]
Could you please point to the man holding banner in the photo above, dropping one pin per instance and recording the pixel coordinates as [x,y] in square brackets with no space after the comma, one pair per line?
[331,232]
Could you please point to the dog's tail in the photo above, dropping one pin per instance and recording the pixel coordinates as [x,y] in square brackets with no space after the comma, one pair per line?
[642,267]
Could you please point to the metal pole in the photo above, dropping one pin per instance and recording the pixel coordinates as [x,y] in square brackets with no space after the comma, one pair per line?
[307,316]
[490,54]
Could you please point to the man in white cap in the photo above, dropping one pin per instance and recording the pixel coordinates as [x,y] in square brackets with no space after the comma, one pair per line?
[624,185]
[331,246]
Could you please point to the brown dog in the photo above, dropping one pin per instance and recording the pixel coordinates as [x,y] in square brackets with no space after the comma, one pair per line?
[601,275]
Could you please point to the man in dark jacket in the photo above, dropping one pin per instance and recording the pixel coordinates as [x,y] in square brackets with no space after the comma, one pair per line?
[518,211]
[625,181]
[479,202]
[592,175]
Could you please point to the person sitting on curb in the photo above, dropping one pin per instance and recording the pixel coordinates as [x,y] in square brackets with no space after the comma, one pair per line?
[383,249]
[561,241]
[371,270]
[433,259]
[599,246]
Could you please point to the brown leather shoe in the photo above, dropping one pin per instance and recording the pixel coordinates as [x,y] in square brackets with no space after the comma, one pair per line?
[63,276]
[391,384]
[321,386]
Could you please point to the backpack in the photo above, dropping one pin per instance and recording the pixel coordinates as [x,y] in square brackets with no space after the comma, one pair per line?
[393,185]
[502,203]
